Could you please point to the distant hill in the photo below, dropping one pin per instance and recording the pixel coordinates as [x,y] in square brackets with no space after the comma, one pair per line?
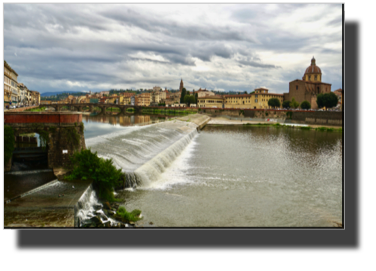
[46,94]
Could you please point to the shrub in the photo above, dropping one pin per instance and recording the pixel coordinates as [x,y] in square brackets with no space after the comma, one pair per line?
[127,217]
[86,165]
[305,127]
[8,143]
[286,104]
[305,105]
[274,102]
[294,103]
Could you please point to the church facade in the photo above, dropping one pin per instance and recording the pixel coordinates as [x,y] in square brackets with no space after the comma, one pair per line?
[309,87]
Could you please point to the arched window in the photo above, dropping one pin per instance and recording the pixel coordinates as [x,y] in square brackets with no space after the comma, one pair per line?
[297,87]
[315,77]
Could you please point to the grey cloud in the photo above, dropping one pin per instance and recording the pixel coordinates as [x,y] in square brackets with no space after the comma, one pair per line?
[258,65]
[335,22]
[93,44]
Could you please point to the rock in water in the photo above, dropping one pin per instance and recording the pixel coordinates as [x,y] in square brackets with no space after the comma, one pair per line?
[107,205]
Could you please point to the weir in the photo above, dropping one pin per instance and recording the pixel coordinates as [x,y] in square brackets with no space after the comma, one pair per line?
[143,153]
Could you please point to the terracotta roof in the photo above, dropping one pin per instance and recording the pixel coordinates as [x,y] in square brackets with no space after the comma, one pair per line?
[212,96]
[313,69]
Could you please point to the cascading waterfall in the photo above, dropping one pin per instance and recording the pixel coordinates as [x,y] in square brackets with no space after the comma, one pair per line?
[144,153]
[86,205]
[151,170]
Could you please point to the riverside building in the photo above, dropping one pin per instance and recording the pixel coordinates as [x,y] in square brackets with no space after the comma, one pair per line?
[10,84]
[309,87]
[257,100]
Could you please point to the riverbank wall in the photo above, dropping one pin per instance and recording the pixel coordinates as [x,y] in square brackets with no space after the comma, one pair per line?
[333,118]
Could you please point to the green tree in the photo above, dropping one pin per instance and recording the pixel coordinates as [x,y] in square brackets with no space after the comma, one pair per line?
[189,99]
[294,103]
[320,100]
[245,92]
[183,93]
[286,104]
[196,98]
[332,100]
[274,102]
[305,105]
[328,100]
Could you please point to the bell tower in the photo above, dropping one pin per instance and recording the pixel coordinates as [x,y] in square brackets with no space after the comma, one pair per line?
[181,85]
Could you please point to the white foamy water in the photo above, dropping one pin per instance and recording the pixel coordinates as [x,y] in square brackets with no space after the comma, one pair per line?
[144,153]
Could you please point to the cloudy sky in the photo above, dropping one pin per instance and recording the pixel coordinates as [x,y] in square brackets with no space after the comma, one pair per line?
[72,47]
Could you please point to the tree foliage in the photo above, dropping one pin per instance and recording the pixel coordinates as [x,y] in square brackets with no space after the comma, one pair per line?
[274,102]
[286,104]
[183,93]
[327,99]
[86,165]
[189,99]
[294,103]
[305,105]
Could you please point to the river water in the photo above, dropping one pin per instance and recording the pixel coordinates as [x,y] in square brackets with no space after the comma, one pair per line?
[223,176]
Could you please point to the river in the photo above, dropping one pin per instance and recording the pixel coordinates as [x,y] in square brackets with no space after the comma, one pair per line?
[223,176]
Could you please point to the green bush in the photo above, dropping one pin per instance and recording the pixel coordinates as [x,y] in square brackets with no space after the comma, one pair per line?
[127,217]
[36,109]
[86,165]
[274,102]
[305,105]
[8,143]
[305,127]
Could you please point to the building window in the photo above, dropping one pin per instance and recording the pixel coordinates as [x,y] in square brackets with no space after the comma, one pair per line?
[256,96]
[255,100]
[315,77]
[297,87]
[309,77]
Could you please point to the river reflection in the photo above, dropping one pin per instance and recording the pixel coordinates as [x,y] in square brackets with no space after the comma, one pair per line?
[101,124]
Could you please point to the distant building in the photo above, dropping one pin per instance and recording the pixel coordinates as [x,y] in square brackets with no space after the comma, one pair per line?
[309,87]
[10,84]
[142,99]
[339,93]
[213,101]
[102,93]
[156,88]
[23,94]
[204,92]
[257,100]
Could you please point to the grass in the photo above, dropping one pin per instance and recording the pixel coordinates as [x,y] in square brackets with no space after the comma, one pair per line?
[41,109]
[127,217]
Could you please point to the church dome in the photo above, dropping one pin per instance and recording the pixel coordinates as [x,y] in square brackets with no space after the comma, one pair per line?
[313,69]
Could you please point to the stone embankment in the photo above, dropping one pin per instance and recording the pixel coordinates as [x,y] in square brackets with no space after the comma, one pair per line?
[322,118]
[52,205]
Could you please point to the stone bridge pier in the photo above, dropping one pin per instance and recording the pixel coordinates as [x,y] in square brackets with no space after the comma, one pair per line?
[63,132]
